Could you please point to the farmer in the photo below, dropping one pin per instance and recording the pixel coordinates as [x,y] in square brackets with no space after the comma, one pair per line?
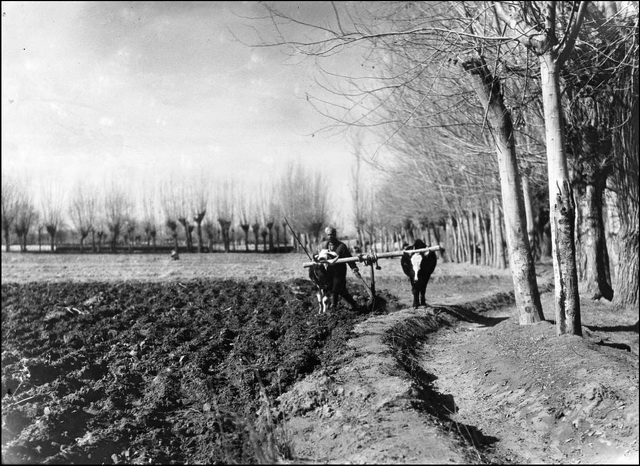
[340,276]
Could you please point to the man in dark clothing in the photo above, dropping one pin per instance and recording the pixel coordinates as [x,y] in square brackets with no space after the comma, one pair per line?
[340,276]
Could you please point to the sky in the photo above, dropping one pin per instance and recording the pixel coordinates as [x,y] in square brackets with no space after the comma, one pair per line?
[137,91]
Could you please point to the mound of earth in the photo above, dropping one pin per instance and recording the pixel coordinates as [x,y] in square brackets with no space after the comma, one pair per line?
[220,371]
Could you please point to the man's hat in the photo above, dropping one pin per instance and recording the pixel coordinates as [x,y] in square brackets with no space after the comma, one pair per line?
[330,231]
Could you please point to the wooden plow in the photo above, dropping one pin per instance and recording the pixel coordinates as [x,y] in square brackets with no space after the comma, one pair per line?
[371,259]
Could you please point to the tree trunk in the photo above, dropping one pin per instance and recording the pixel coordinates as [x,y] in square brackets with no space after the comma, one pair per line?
[562,207]
[484,235]
[482,244]
[199,232]
[256,234]
[626,288]
[543,233]
[270,228]
[594,274]
[522,266]
[471,240]
[500,252]
[451,240]
[7,238]
[462,244]
[284,236]
[277,228]
[531,225]
[455,237]
[245,228]
[627,176]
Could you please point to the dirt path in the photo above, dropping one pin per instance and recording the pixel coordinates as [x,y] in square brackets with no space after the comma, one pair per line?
[536,397]
[466,384]
[373,410]
[364,412]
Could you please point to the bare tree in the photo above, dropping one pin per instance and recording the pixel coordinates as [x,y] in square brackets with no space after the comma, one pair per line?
[83,210]
[224,207]
[52,207]
[255,227]
[243,204]
[129,230]
[199,201]
[357,188]
[275,212]
[26,217]
[10,207]
[171,208]
[606,82]
[625,178]
[524,18]
[211,231]
[269,208]
[100,227]
[150,216]
[117,210]
[489,92]
[183,211]
[304,196]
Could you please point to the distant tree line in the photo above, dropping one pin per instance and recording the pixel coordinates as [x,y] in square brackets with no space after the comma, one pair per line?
[193,215]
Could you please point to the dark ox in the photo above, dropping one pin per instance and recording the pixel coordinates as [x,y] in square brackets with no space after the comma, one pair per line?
[322,274]
[418,266]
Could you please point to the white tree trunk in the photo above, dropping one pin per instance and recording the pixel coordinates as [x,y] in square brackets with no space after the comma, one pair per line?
[528,206]
[520,259]
[561,205]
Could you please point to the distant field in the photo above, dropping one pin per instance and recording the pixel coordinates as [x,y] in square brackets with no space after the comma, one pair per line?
[21,268]
[46,267]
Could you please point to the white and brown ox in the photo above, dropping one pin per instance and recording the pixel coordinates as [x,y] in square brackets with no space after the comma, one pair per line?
[322,274]
[418,266]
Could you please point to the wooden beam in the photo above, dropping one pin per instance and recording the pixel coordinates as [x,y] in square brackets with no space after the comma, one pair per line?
[374,256]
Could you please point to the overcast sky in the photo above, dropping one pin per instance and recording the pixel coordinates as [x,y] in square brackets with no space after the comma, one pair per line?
[92,90]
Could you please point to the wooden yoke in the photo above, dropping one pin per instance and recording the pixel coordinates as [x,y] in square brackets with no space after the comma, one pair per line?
[373,257]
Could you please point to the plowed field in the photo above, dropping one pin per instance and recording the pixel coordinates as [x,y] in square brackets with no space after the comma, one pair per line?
[222,358]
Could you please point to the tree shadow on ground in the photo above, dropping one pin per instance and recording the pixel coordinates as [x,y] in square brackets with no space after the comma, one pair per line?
[615,328]
[467,315]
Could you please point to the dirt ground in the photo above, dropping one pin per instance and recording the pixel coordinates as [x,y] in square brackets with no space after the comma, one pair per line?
[462,382]
[224,359]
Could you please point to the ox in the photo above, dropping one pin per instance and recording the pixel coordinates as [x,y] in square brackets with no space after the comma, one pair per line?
[418,267]
[322,275]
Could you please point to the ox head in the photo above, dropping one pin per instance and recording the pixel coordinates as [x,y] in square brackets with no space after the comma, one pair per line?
[416,262]
[325,256]
[412,261]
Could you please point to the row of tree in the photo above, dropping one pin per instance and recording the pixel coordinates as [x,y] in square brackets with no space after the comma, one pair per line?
[193,213]
[532,105]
